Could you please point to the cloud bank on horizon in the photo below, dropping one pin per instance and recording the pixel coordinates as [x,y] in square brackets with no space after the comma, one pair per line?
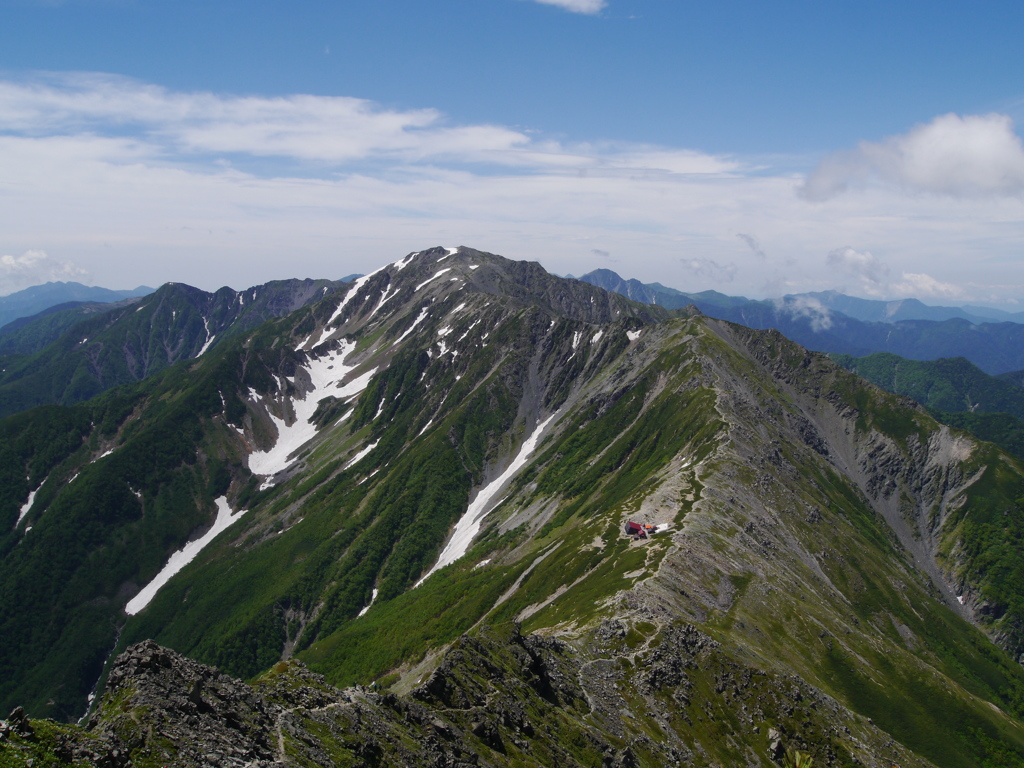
[126,177]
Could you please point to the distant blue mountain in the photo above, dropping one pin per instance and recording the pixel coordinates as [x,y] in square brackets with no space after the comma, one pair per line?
[832,322]
[38,298]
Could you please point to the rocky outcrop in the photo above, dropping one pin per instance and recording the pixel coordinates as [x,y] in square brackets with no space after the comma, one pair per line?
[614,697]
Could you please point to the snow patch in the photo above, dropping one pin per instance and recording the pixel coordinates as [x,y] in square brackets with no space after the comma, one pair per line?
[633,335]
[357,285]
[323,336]
[355,386]
[184,556]
[452,251]
[474,266]
[209,338]
[103,455]
[417,321]
[359,456]
[325,374]
[960,599]
[26,507]
[576,339]
[403,263]
[596,337]
[373,599]
[469,524]
[437,275]
[388,296]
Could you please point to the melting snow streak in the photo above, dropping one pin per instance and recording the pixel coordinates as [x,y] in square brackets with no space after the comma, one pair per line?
[183,557]
[27,506]
[446,269]
[469,523]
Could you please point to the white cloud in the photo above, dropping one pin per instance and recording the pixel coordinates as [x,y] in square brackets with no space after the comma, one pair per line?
[306,129]
[33,268]
[141,185]
[816,313]
[710,269]
[578,6]
[920,285]
[860,264]
[969,156]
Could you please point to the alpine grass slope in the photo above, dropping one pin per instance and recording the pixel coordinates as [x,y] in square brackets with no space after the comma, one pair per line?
[426,476]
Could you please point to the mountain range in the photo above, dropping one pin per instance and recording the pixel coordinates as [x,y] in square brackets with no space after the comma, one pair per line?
[61,358]
[832,322]
[39,298]
[402,513]
[867,310]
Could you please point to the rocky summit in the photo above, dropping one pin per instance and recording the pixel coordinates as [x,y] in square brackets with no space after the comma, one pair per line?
[463,512]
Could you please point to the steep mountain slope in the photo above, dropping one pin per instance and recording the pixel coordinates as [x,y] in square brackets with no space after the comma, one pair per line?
[452,445]
[28,335]
[955,391]
[38,298]
[131,342]
[949,385]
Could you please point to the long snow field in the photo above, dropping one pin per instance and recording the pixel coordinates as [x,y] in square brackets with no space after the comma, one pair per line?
[183,557]
[469,524]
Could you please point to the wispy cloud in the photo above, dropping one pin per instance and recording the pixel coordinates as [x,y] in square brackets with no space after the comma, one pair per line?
[33,268]
[920,285]
[873,274]
[808,308]
[969,156]
[859,264]
[578,6]
[142,184]
[752,244]
[710,269]
[327,130]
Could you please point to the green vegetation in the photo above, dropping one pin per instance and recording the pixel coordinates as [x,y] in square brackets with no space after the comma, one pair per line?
[953,390]
[797,759]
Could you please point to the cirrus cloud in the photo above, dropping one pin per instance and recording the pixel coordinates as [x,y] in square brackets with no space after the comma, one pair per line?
[589,7]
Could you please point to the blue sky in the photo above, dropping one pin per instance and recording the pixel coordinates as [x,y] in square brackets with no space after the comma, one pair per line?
[752,148]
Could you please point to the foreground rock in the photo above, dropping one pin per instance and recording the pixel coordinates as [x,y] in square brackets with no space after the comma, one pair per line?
[614,699]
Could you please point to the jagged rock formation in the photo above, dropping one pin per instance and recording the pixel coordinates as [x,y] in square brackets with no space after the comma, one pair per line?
[495,700]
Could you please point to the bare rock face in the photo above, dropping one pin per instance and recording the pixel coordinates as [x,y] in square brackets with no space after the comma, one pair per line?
[156,697]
